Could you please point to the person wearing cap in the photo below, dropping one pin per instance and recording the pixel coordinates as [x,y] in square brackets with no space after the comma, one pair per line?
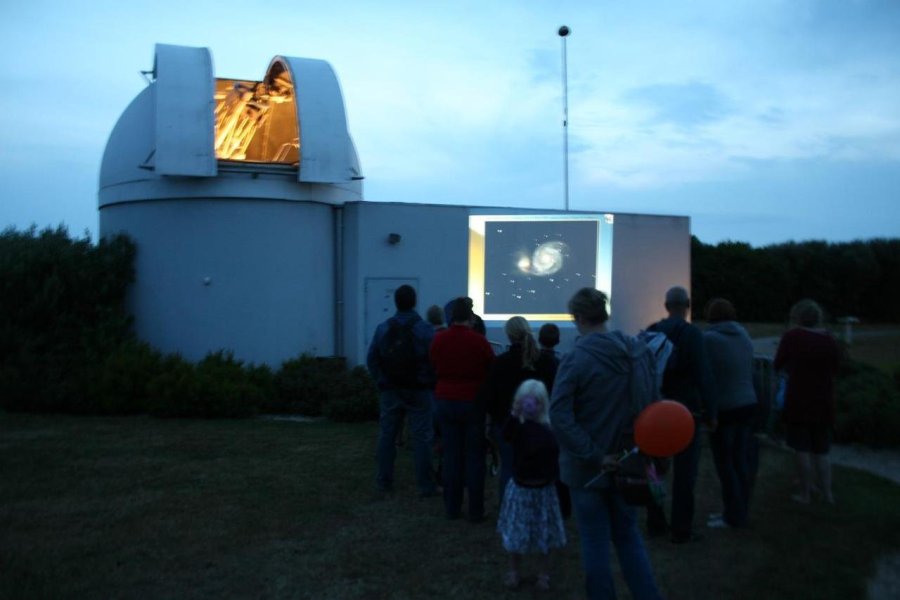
[688,381]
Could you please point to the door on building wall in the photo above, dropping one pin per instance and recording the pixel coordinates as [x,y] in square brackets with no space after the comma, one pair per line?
[380,301]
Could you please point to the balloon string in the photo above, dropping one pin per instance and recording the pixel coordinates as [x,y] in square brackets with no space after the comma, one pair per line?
[627,453]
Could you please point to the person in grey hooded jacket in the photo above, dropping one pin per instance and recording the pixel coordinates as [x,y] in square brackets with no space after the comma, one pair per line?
[730,353]
[590,402]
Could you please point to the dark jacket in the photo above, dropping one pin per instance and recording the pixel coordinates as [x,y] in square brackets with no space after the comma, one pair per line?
[422,336]
[505,377]
[535,452]
[693,384]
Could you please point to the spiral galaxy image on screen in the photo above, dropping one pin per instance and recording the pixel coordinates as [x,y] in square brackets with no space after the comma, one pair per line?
[535,267]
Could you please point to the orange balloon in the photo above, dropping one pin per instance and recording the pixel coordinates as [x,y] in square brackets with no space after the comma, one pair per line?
[664,428]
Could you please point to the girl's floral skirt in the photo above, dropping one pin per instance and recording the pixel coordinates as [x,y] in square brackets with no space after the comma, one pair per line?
[530,520]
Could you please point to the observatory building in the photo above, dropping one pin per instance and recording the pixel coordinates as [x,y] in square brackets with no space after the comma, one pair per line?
[245,201]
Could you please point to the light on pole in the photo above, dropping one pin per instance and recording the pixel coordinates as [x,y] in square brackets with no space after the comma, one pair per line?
[563,33]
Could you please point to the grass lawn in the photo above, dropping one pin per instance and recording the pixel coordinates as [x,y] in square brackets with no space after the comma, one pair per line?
[140,507]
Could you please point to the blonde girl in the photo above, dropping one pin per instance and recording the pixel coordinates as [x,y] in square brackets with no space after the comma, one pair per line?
[530,518]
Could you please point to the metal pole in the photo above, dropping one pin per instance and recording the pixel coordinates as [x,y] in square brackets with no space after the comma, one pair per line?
[563,32]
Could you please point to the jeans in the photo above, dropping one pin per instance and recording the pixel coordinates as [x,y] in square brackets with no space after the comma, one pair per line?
[603,517]
[462,429]
[684,478]
[394,404]
[506,458]
[730,446]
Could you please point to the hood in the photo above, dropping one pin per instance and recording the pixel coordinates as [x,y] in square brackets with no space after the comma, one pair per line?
[610,349]
[729,328]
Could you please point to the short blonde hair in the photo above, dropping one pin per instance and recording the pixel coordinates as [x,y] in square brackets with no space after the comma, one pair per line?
[807,313]
[532,402]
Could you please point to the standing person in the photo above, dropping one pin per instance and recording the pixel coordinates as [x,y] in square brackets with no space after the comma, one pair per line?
[548,338]
[398,361]
[435,317]
[461,359]
[590,403]
[530,519]
[810,356]
[477,322]
[731,361]
[522,361]
[688,381]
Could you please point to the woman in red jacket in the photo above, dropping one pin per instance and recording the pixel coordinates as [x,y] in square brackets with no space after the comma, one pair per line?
[461,359]
[810,356]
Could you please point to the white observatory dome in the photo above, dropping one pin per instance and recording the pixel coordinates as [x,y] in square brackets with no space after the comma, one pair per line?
[230,189]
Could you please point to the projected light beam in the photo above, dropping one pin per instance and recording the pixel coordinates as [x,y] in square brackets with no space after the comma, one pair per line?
[547,259]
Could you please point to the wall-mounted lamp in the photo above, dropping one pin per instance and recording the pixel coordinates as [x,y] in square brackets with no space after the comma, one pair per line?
[393,238]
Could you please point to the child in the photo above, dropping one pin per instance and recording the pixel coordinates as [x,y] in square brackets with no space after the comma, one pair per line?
[530,520]
[548,338]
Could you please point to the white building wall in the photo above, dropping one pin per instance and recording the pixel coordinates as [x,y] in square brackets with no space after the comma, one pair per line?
[251,276]
[650,254]
[432,253]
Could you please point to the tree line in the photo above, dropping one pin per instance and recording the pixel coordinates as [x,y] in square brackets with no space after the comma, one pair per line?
[860,278]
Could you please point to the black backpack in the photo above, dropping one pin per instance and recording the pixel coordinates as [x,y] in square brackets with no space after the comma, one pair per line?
[399,361]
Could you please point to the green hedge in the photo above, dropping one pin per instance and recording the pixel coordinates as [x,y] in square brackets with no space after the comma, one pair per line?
[868,406]
[66,345]
[61,312]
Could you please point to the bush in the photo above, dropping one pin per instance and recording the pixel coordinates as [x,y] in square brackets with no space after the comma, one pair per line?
[304,385]
[868,406]
[61,312]
[120,382]
[354,398]
[218,386]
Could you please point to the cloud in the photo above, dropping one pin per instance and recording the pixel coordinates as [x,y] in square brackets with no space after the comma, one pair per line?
[681,104]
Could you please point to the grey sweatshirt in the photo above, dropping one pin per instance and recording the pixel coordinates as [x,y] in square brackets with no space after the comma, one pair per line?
[730,352]
[590,402]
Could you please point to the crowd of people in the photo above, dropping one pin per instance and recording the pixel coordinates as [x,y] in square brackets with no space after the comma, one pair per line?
[555,422]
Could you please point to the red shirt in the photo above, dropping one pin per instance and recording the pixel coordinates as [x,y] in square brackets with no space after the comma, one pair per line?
[461,358]
[810,359]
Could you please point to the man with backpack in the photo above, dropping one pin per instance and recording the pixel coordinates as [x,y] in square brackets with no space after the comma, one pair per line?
[687,379]
[398,361]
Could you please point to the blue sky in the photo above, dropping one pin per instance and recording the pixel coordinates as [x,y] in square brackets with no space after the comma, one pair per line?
[762,120]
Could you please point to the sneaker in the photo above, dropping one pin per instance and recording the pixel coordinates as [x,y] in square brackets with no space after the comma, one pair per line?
[543,582]
[717,524]
[511,580]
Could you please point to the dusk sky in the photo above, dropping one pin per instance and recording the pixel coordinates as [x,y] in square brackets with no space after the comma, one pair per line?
[763,120]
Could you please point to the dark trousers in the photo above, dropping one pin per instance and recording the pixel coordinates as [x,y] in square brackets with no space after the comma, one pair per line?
[730,445]
[684,478]
[462,430]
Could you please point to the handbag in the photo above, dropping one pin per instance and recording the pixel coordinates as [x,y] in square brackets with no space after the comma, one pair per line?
[780,392]
[638,480]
